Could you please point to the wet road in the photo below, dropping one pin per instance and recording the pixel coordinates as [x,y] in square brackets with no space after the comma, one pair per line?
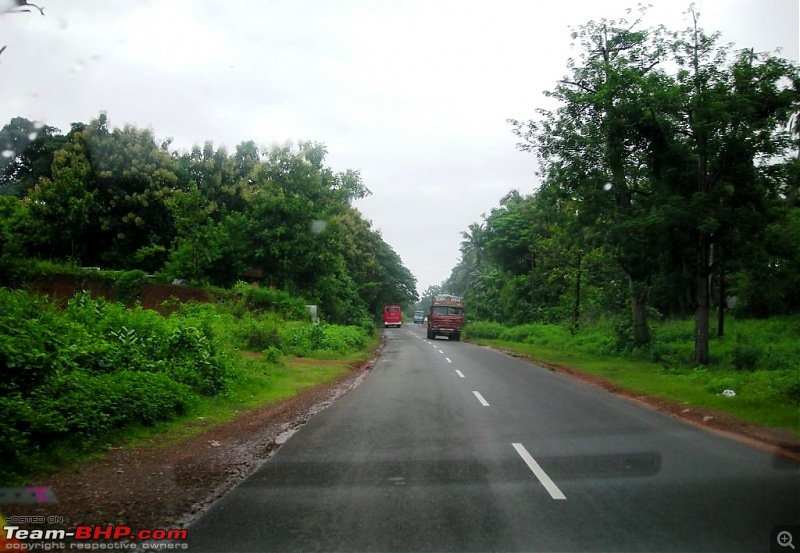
[451,447]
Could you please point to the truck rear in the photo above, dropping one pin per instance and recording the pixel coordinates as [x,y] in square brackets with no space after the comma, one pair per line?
[446,317]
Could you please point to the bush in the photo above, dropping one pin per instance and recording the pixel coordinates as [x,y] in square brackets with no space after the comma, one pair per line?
[721,383]
[129,284]
[484,329]
[262,337]
[83,408]
[273,355]
[94,368]
[775,385]
[259,300]
[745,354]
[305,339]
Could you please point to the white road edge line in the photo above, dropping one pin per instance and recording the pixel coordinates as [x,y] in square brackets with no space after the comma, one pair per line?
[440,351]
[549,485]
[447,359]
[480,398]
[459,373]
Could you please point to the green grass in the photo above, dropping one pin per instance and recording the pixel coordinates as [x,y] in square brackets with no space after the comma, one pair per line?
[767,394]
[259,384]
[92,375]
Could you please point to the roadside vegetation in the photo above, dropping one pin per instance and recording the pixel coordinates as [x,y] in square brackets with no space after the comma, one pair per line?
[80,378]
[660,247]
[757,361]
[114,210]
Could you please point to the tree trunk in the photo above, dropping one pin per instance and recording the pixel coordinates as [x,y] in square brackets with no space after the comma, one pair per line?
[721,304]
[701,313]
[641,331]
[576,303]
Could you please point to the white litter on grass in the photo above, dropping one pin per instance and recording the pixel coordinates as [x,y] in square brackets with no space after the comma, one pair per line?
[728,393]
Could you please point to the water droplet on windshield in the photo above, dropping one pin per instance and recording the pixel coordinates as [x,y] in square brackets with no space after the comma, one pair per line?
[608,186]
[8,153]
[33,136]
[38,125]
[318,226]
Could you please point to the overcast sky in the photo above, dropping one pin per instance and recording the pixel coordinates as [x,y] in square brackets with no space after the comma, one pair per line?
[413,94]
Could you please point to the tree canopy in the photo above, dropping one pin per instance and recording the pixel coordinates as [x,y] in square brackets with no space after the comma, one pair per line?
[669,185]
[118,199]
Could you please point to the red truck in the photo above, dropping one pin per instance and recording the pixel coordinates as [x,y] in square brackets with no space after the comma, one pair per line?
[446,317]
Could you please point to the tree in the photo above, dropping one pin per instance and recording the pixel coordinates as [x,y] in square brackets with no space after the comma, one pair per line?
[730,120]
[26,155]
[604,145]
[65,209]
[133,179]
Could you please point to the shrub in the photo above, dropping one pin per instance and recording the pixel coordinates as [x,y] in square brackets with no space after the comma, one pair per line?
[262,337]
[265,299]
[273,355]
[306,339]
[129,284]
[745,354]
[484,329]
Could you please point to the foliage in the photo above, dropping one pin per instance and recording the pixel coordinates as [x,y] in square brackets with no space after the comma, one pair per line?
[95,367]
[305,340]
[758,362]
[669,187]
[129,284]
[117,199]
[74,377]
[257,299]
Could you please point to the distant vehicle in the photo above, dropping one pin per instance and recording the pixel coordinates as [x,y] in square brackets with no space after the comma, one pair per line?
[392,316]
[446,317]
[419,317]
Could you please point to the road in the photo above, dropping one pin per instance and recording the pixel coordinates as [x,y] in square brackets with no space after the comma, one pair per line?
[448,446]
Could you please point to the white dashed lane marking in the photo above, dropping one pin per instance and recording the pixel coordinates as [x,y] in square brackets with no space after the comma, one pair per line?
[549,485]
[480,398]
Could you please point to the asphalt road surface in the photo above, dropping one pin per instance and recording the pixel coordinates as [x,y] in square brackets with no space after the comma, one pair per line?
[448,446]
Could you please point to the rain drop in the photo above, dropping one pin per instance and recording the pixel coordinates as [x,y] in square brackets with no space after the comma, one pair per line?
[608,186]
[318,226]
[33,136]
[38,125]
[8,153]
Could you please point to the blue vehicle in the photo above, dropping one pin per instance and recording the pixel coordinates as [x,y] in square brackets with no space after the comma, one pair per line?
[419,317]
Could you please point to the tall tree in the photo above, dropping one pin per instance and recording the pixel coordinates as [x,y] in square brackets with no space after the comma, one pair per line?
[603,141]
[730,116]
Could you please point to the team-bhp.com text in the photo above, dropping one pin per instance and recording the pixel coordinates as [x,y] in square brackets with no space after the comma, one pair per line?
[86,538]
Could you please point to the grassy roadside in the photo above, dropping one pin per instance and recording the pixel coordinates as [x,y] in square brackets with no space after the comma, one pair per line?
[260,383]
[755,399]
[84,377]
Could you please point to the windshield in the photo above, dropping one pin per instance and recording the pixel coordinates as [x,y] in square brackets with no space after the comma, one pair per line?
[217,219]
[446,310]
